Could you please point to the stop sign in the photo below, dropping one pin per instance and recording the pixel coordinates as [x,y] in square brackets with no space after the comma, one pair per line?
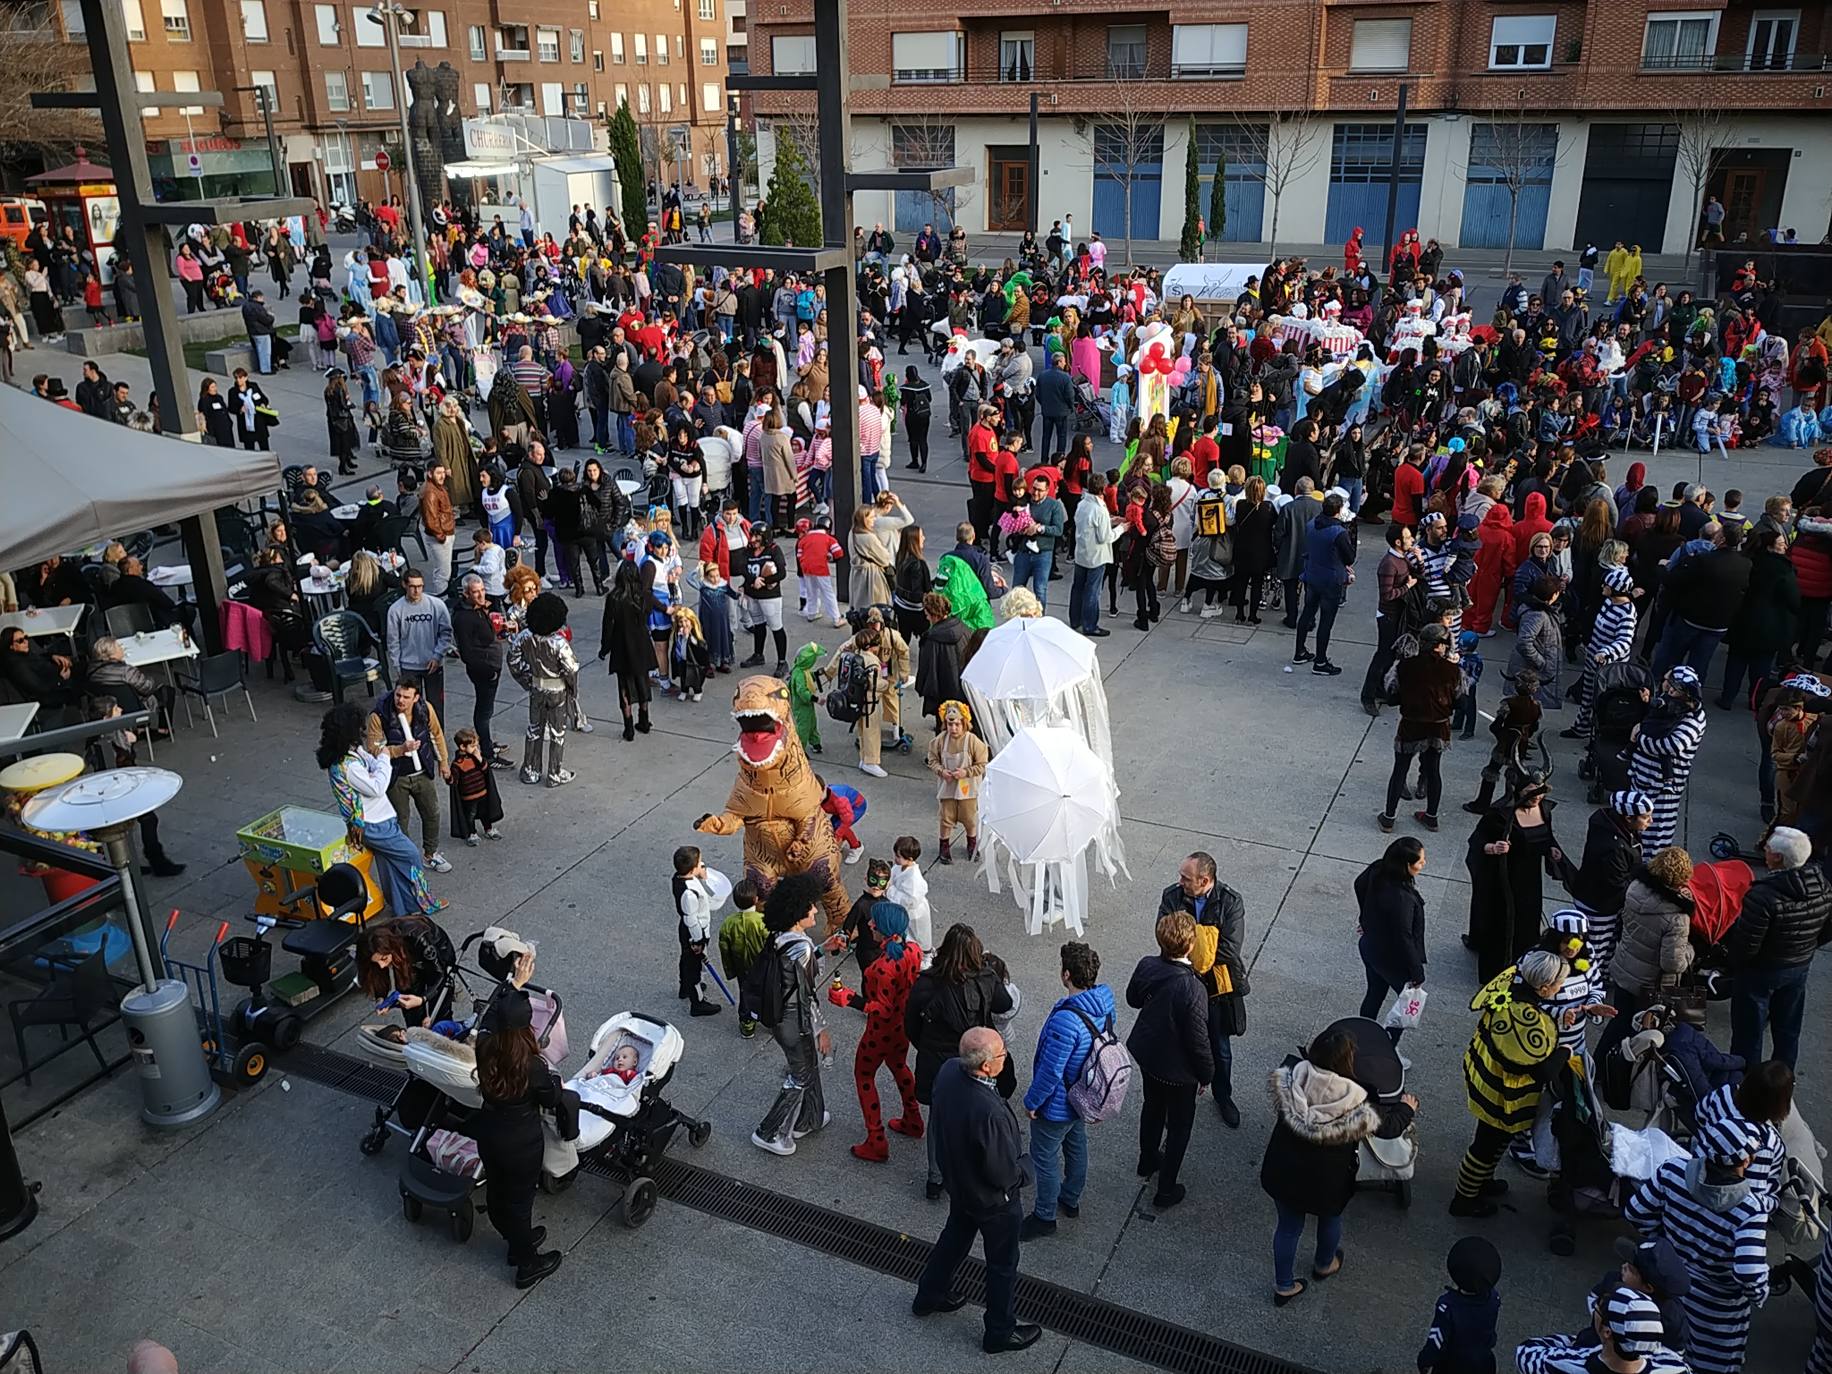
[381,160]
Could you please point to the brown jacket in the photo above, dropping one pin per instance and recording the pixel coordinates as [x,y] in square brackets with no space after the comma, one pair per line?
[778,463]
[1428,687]
[436,513]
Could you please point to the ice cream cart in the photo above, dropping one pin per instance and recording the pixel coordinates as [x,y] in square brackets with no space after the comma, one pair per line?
[288,850]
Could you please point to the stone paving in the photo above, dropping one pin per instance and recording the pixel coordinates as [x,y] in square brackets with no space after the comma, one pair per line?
[261,1240]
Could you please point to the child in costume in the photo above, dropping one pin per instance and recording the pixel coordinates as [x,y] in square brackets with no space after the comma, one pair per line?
[475,800]
[844,805]
[1462,1335]
[804,692]
[887,982]
[855,930]
[958,760]
[909,889]
[742,937]
[693,904]
[689,659]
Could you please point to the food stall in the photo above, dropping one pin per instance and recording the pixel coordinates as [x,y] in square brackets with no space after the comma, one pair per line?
[83,195]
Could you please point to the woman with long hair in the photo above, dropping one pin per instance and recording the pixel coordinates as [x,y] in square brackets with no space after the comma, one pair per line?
[412,956]
[872,562]
[910,583]
[516,1086]
[219,419]
[624,641]
[957,992]
[1392,922]
[1252,522]
[360,771]
[340,422]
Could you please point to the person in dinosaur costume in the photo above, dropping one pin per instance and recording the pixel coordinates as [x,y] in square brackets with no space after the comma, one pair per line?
[776,800]
[804,691]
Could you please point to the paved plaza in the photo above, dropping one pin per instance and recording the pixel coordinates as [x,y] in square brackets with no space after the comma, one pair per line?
[261,1240]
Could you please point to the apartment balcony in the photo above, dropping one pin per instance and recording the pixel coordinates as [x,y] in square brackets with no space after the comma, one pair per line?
[513,54]
[1754,64]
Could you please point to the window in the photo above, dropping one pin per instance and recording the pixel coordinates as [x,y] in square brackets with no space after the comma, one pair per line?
[707,12]
[74,26]
[642,49]
[176,17]
[710,100]
[553,98]
[617,49]
[187,82]
[548,43]
[709,52]
[680,97]
[661,49]
[432,25]
[1208,50]
[478,42]
[1771,40]
[792,55]
[480,91]
[575,45]
[266,81]
[330,32]
[1679,41]
[1126,52]
[928,56]
[336,91]
[136,21]
[1381,45]
[592,9]
[378,91]
[518,95]
[622,92]
[1017,55]
[512,41]
[666,97]
[642,98]
[597,60]
[578,99]
[1363,154]
[254,20]
[1522,41]
[143,82]
[369,30]
[680,45]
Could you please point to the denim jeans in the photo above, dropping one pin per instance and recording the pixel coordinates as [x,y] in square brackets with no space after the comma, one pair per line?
[601,425]
[1772,1000]
[1059,1160]
[1285,1238]
[1320,606]
[753,494]
[1033,570]
[1084,598]
[626,433]
[1682,640]
[1221,1045]
[263,353]
[1353,486]
[868,477]
[1055,436]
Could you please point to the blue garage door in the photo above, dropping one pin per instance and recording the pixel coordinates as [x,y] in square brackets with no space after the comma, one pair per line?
[918,146]
[1360,167]
[1116,148]
[1242,155]
[1505,159]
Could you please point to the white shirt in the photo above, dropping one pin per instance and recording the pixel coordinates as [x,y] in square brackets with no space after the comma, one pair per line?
[489,565]
[369,775]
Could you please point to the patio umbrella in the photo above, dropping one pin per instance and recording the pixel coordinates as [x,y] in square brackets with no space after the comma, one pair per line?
[1046,795]
[1029,657]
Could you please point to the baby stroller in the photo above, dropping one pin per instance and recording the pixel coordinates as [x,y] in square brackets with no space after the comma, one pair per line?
[1594,1165]
[1386,1165]
[1091,415]
[221,288]
[626,1124]
[1617,709]
[1664,1069]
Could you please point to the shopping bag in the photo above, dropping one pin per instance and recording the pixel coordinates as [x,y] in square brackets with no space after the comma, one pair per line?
[1406,1010]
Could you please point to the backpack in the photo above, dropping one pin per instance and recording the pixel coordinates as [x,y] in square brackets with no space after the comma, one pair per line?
[1161,546]
[762,986]
[854,682]
[1099,1090]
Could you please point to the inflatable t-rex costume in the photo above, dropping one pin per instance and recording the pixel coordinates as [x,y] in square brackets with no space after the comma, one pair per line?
[776,800]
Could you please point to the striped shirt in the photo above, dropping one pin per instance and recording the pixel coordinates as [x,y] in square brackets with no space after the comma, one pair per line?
[1767,1165]
[1613,634]
[1580,990]
[1726,1250]
[1662,758]
[1575,1355]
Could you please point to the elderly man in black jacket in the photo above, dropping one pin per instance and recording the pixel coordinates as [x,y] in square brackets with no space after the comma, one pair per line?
[984,1166]
[1213,903]
[1786,917]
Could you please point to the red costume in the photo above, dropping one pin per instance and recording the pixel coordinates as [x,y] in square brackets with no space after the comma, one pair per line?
[887,988]
[1351,253]
[1497,536]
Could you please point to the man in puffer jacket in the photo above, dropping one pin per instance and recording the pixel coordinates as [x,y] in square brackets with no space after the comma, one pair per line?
[1059,1138]
[1786,917]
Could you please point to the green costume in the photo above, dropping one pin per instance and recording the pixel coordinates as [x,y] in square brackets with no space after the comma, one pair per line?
[801,697]
[961,585]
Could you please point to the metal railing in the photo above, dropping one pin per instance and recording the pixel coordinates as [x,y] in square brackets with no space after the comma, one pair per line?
[1754,63]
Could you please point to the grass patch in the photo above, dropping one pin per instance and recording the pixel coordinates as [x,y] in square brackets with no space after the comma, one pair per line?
[195,350]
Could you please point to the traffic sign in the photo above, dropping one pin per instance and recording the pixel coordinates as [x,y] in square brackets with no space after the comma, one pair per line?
[194,162]
[381,160]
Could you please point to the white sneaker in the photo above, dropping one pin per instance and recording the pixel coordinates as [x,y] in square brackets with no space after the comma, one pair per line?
[584,726]
[826,1121]
[872,770]
[438,862]
[490,832]
[1405,1063]
[775,1147]
[1185,606]
[471,840]
[1210,612]
[548,584]
[854,855]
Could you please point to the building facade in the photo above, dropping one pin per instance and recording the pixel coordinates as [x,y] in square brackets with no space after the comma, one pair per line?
[1558,121]
[334,97]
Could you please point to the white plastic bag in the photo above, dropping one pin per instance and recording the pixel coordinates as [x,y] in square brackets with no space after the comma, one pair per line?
[1406,1010]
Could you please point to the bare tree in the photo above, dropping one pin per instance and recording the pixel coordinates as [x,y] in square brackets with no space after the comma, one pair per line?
[1283,150]
[804,126]
[34,48]
[1516,151]
[1131,136]
[1704,137]
[925,142]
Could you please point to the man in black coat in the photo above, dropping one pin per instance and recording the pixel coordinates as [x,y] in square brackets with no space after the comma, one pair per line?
[480,649]
[984,1166]
[1056,403]
[1213,903]
[1786,918]
[1703,594]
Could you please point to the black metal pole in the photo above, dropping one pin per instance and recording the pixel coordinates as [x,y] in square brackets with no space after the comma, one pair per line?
[273,143]
[833,104]
[734,174]
[1032,190]
[1399,139]
[18,1199]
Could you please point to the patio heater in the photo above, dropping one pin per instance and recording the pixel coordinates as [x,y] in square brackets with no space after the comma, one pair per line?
[162,1033]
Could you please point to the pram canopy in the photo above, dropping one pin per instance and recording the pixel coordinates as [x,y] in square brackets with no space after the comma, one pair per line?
[1718,890]
[1377,1063]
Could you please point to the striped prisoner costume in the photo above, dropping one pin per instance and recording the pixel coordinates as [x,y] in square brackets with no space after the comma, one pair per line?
[1612,637]
[1819,1358]
[1718,1115]
[1659,764]
[1722,1234]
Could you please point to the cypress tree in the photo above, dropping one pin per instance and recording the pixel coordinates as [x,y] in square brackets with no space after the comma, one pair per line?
[793,214]
[1189,246]
[626,153]
[1218,197]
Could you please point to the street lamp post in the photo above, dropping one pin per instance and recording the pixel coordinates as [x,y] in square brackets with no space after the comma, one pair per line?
[390,14]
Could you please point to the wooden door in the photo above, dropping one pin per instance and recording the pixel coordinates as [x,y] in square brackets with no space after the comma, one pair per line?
[1010,195]
[1743,201]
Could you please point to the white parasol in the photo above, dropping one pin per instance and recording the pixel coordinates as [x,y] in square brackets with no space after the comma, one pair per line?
[1047,798]
[1030,658]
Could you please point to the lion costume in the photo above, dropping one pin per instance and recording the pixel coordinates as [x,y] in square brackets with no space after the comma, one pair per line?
[776,799]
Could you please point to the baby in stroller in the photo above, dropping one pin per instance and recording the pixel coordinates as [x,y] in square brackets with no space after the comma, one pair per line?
[1664,1069]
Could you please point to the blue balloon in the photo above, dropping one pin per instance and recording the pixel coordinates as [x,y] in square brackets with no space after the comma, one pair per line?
[1456,446]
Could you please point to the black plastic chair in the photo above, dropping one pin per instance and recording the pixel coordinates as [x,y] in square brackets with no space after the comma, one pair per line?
[77,995]
[217,676]
[126,621]
[346,641]
[396,528]
[339,892]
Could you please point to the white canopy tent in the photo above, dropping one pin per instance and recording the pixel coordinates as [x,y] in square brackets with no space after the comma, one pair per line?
[72,480]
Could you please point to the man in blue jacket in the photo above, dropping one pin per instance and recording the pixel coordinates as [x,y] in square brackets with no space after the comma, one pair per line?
[1059,1138]
[1330,549]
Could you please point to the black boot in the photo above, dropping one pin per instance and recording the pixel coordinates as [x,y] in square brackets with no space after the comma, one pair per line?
[531,1272]
[1483,798]
[642,721]
[629,728]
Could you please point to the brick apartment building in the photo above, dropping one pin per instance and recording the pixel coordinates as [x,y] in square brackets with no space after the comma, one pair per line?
[336,105]
[1582,106]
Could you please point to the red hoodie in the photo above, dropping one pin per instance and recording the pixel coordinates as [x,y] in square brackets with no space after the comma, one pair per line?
[1532,522]
[1497,536]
